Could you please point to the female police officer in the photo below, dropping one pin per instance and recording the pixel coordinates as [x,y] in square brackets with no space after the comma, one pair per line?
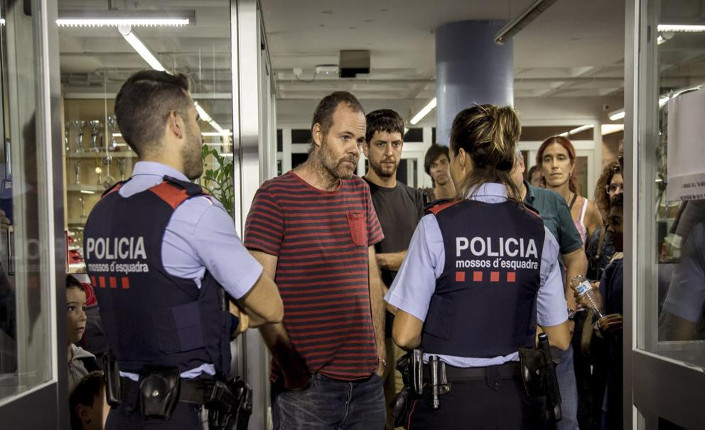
[480,273]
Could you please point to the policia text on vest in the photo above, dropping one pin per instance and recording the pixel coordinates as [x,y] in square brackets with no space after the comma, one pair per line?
[497,249]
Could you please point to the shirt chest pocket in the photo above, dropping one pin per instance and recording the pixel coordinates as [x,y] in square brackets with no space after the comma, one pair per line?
[358,230]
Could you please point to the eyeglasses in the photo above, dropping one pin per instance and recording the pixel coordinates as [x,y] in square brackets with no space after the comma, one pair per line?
[614,188]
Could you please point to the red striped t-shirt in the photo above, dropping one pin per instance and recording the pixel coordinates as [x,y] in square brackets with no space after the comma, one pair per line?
[321,239]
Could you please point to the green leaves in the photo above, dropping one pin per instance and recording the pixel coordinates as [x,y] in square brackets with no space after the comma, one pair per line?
[218,176]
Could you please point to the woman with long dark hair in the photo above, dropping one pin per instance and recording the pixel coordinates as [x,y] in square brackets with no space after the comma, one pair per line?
[556,156]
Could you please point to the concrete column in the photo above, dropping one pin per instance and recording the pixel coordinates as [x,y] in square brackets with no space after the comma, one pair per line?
[470,68]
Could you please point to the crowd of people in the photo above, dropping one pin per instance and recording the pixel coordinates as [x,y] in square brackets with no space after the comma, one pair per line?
[348,278]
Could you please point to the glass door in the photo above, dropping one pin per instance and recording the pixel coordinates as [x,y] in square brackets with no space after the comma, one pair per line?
[664,270]
[31,235]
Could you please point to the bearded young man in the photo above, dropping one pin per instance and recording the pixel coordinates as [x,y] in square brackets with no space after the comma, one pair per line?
[399,209]
[314,229]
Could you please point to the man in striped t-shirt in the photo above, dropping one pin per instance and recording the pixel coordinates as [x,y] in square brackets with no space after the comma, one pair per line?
[314,229]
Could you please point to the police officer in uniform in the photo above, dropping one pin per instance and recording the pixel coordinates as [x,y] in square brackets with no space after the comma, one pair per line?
[159,252]
[480,274]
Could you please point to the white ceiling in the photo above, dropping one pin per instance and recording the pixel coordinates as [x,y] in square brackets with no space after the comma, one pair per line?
[573,51]
[568,62]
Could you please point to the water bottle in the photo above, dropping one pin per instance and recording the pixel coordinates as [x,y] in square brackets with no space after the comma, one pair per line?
[583,289]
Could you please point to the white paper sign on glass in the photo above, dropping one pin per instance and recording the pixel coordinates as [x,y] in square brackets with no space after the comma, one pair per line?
[686,146]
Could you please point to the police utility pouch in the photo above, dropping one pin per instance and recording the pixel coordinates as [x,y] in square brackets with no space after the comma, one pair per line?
[112,379]
[533,371]
[229,405]
[159,392]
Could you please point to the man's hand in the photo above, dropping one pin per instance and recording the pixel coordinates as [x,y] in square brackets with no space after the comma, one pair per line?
[244,320]
[582,300]
[381,366]
[4,220]
[296,378]
[611,324]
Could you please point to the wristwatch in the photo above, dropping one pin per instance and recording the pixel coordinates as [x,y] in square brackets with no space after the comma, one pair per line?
[571,313]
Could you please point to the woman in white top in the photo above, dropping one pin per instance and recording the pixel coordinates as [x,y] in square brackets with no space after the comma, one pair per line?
[556,157]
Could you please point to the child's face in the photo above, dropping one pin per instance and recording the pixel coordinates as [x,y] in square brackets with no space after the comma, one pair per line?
[75,314]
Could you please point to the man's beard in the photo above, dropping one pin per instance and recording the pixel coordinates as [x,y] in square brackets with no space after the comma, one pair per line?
[385,170]
[193,163]
[337,168]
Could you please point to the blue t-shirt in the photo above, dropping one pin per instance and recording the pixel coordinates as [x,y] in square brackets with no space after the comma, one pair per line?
[556,216]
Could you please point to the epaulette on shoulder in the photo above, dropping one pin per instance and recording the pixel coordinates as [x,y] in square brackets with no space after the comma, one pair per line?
[436,207]
[533,211]
[190,188]
[174,191]
[116,187]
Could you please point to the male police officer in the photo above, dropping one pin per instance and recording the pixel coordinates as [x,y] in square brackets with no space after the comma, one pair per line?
[158,250]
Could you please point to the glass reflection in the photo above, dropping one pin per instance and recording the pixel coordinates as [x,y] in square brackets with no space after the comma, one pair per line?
[680,210]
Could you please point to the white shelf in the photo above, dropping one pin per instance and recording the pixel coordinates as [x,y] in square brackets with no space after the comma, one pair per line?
[97,189]
[101,154]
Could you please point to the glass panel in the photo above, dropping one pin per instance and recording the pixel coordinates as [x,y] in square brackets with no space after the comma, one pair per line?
[673,291]
[25,351]
[95,61]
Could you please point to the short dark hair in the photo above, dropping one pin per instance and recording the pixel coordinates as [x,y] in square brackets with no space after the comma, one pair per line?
[143,104]
[323,114]
[432,154]
[72,282]
[84,394]
[383,121]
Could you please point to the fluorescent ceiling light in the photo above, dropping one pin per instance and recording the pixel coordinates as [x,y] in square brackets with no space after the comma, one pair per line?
[677,28]
[224,133]
[423,112]
[619,114]
[522,20]
[577,130]
[114,18]
[611,128]
[207,118]
[140,47]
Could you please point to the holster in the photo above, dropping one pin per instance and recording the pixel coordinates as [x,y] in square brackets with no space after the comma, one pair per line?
[159,392]
[229,405]
[410,366]
[112,379]
[538,372]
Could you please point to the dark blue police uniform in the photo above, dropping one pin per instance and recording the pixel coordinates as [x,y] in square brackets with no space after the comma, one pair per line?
[480,274]
[150,317]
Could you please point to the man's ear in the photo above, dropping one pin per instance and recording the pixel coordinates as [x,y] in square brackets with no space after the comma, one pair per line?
[366,149]
[317,134]
[175,124]
[84,413]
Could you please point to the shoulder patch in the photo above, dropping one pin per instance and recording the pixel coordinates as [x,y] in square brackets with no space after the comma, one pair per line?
[440,205]
[172,194]
[113,189]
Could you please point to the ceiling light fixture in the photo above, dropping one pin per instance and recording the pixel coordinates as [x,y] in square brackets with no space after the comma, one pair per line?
[140,47]
[115,18]
[577,130]
[619,113]
[678,28]
[207,118]
[522,20]
[423,112]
